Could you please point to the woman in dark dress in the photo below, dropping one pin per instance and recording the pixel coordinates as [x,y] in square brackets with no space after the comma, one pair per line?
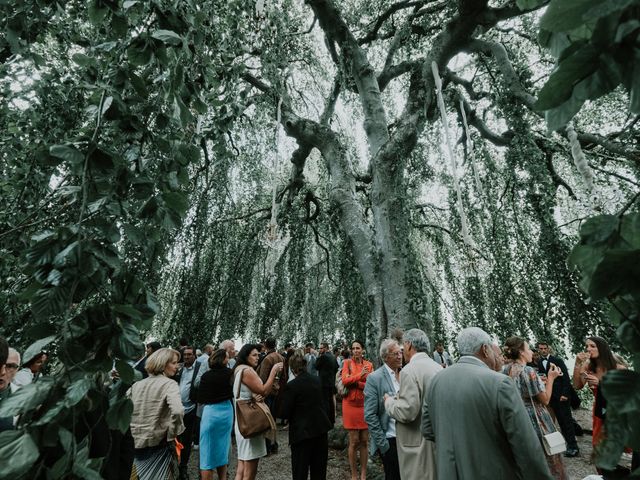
[216,394]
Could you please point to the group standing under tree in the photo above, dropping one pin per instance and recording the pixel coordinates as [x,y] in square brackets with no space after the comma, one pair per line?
[477,418]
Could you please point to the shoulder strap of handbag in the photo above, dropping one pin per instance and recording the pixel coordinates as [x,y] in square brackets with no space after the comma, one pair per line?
[533,403]
[242,369]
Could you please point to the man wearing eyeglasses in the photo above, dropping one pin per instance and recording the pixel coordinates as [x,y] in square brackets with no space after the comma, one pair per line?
[6,388]
[11,368]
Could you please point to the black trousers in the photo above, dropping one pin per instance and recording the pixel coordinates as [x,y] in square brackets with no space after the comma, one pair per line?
[310,456]
[186,438]
[390,461]
[565,420]
[327,394]
[272,447]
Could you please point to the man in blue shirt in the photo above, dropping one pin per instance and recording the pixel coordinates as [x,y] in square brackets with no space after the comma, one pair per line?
[185,379]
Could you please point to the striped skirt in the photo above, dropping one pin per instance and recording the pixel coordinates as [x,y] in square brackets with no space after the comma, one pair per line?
[156,463]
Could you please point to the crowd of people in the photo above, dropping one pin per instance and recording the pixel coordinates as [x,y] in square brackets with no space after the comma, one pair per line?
[485,416]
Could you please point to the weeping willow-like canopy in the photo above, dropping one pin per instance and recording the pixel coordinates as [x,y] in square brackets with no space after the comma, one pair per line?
[142,145]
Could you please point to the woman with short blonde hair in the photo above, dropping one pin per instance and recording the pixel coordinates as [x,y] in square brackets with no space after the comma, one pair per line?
[157,418]
[158,360]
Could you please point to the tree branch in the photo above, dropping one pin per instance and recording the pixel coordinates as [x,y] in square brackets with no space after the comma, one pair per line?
[360,70]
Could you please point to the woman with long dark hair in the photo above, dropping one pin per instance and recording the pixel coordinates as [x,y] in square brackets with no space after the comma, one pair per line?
[216,395]
[248,383]
[534,393]
[591,367]
[354,375]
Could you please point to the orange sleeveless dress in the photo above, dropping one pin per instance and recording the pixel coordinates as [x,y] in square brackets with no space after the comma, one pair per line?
[353,402]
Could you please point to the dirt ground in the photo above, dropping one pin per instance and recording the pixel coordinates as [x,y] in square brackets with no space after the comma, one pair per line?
[278,466]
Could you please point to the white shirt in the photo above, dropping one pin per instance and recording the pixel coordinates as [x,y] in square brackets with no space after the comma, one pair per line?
[23,377]
[391,428]
[545,361]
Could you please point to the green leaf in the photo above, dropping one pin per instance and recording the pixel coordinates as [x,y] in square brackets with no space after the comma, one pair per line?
[77,391]
[626,28]
[564,15]
[629,334]
[138,85]
[529,4]
[125,371]
[26,398]
[83,60]
[558,117]
[18,451]
[119,414]
[67,256]
[630,230]
[617,273]
[181,112]
[139,53]
[97,12]
[67,153]
[36,347]
[569,72]
[606,7]
[66,439]
[129,342]
[129,3]
[621,388]
[600,229]
[167,36]
[119,25]
[176,201]
[152,302]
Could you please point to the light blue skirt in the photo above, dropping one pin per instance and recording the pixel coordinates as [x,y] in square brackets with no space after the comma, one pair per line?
[215,435]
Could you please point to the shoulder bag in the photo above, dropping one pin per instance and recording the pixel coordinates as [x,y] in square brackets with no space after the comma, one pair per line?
[553,443]
[341,389]
[254,417]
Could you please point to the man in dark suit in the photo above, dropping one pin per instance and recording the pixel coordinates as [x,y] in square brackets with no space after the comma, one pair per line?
[303,405]
[327,367]
[560,397]
[141,364]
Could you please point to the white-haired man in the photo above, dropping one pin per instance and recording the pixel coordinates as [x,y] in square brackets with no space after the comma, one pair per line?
[382,427]
[230,347]
[416,454]
[477,418]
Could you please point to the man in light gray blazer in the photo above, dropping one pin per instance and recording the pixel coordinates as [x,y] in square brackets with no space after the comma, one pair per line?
[382,428]
[415,453]
[477,418]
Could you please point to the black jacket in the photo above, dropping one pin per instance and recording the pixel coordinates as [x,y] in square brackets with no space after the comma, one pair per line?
[561,385]
[327,368]
[304,406]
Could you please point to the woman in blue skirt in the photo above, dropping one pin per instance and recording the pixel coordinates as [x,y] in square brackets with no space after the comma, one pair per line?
[216,394]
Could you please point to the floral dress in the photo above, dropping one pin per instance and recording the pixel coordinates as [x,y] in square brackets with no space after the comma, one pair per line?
[529,385]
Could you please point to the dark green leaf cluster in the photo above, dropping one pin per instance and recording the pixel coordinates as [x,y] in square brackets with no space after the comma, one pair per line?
[596,46]
[608,259]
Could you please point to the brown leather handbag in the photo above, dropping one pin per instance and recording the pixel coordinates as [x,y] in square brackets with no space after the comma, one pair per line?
[253,416]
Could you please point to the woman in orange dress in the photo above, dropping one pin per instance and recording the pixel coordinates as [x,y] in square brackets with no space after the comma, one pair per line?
[354,376]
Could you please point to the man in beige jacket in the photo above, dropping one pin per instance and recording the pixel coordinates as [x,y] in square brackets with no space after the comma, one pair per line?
[416,455]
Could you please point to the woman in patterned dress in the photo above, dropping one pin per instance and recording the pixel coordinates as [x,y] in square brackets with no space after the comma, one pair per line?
[535,395]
